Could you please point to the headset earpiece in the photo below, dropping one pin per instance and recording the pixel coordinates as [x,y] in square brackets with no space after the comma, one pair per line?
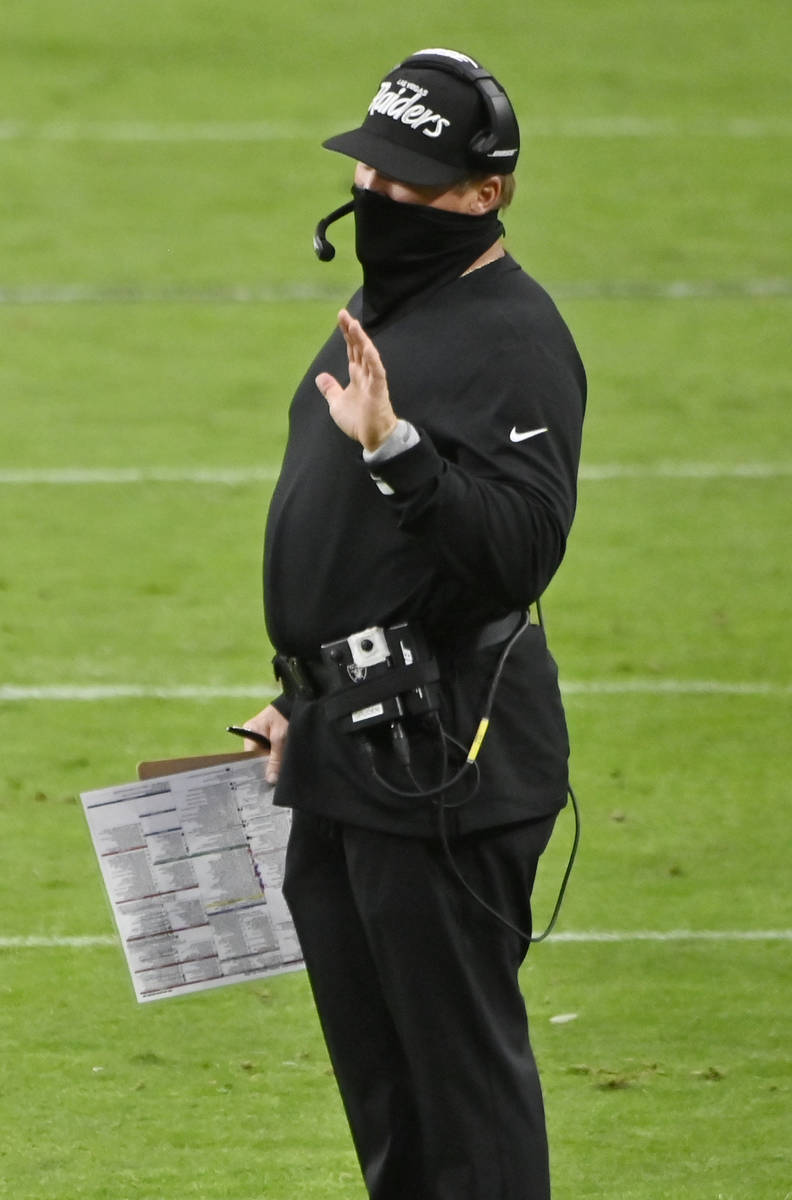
[497,145]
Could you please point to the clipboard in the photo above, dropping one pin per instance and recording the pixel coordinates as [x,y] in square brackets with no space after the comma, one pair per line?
[192,856]
[152,769]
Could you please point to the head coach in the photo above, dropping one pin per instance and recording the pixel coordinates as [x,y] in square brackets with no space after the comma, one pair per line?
[424,502]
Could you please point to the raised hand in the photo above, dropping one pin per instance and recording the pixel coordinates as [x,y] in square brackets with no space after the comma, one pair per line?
[363,409]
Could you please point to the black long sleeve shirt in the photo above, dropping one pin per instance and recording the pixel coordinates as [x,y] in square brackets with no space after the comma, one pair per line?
[469,524]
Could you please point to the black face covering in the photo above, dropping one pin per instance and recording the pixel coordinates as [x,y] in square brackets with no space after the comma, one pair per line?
[411,249]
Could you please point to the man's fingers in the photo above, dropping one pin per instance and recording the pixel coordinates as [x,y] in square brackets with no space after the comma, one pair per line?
[346,324]
[275,727]
[278,736]
[362,351]
[373,362]
[274,759]
[357,340]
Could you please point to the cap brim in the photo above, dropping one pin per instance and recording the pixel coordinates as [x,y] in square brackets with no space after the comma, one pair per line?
[394,160]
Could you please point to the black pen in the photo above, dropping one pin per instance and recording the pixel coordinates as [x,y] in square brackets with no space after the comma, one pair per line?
[252,734]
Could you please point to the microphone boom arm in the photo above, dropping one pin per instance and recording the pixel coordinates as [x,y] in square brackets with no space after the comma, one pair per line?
[324,250]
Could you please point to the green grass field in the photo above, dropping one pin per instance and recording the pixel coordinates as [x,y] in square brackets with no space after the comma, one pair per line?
[159,300]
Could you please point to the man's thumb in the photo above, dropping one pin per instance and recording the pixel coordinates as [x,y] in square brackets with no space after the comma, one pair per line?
[328,386]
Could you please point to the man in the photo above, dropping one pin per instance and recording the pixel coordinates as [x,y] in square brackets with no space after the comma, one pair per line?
[422,508]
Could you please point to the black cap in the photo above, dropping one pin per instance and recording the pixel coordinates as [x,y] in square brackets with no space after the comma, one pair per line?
[437,118]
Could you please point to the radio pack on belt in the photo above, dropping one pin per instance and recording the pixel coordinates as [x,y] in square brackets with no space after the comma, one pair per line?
[379,675]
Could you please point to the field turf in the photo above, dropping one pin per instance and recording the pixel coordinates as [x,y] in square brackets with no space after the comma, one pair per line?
[160,179]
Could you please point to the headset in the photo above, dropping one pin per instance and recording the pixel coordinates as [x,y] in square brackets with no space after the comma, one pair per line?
[498,143]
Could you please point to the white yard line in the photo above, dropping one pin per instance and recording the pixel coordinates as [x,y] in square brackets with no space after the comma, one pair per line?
[594,473]
[674,687]
[672,935]
[158,131]
[238,476]
[56,942]
[65,693]
[575,937]
[603,127]
[187,293]
[68,692]
[79,476]
[279,293]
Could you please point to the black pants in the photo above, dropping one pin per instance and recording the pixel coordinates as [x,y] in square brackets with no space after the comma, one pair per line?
[416,989]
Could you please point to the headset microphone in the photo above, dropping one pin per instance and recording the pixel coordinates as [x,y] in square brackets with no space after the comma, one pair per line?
[325,251]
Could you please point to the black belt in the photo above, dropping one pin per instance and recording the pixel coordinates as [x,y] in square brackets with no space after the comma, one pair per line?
[313,678]
[498,631]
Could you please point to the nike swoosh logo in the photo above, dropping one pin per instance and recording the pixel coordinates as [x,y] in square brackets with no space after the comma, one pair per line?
[529,433]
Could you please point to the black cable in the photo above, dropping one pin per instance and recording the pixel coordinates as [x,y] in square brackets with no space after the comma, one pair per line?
[526,937]
[483,724]
[429,793]
[570,864]
[473,753]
